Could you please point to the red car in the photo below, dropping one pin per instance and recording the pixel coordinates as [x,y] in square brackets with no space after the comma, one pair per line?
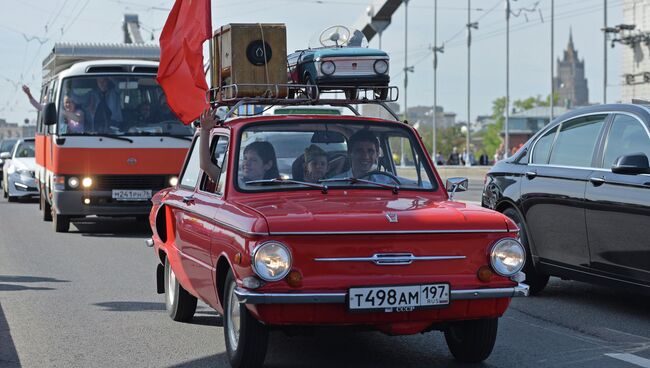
[349,237]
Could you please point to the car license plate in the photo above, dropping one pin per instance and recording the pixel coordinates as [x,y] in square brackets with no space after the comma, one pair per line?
[131,195]
[398,298]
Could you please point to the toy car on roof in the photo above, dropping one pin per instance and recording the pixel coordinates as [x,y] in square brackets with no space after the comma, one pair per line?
[345,238]
[341,63]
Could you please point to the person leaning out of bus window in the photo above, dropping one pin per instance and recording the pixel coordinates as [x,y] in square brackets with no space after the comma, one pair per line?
[73,117]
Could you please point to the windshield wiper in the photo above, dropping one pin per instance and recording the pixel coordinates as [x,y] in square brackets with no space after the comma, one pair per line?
[151,134]
[353,180]
[183,137]
[112,136]
[323,188]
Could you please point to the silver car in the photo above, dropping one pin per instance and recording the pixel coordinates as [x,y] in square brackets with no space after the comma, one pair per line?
[18,171]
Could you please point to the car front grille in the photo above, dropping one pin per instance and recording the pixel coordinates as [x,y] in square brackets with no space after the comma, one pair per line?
[110,182]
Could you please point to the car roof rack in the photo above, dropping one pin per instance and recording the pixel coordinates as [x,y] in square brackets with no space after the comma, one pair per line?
[233,96]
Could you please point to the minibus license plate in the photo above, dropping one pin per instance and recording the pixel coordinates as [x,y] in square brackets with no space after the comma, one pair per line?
[131,195]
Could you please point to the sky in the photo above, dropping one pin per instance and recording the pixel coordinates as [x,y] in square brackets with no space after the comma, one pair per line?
[29,29]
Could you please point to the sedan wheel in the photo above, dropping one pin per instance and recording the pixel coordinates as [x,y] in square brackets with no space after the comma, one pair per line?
[472,341]
[246,338]
[535,279]
[180,304]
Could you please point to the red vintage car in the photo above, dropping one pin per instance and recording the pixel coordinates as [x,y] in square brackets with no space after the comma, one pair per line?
[348,234]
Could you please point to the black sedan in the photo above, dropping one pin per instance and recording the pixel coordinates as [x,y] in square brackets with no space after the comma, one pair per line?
[579,190]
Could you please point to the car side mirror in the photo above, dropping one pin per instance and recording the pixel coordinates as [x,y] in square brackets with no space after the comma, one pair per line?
[636,163]
[49,114]
[5,155]
[454,185]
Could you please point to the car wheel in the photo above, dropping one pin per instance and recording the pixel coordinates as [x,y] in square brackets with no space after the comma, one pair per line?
[61,223]
[472,341]
[180,304]
[312,93]
[246,338]
[351,94]
[381,94]
[535,279]
[46,208]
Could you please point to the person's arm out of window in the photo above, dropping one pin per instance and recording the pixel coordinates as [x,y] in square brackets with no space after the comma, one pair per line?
[208,121]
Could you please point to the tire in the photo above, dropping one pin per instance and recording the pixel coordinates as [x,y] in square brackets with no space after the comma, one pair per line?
[535,279]
[381,94]
[472,341]
[312,93]
[45,208]
[246,347]
[351,94]
[180,304]
[12,198]
[61,223]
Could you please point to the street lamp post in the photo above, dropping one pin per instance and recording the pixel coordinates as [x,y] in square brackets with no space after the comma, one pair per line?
[436,50]
[470,25]
[507,131]
[407,69]
[605,52]
[552,98]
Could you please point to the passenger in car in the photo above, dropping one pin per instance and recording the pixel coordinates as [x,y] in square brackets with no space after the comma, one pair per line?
[315,166]
[259,162]
[208,121]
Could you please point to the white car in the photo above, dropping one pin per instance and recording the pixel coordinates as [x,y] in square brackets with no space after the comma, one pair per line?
[18,171]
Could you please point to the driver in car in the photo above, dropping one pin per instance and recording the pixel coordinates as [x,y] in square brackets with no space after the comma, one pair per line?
[363,151]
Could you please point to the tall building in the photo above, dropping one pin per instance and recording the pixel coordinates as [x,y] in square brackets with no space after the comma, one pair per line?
[570,83]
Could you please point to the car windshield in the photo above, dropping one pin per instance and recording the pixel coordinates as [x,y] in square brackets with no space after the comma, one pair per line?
[116,105]
[333,154]
[25,149]
[338,36]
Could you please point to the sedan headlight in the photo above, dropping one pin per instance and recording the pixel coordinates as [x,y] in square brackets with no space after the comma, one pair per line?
[328,67]
[507,257]
[272,261]
[381,67]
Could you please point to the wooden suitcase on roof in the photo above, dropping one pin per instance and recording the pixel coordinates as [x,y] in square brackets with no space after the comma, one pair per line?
[240,58]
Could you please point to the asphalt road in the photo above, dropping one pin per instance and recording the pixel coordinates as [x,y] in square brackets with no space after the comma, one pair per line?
[87,299]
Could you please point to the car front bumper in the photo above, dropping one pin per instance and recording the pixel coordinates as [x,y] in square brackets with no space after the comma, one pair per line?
[20,186]
[250,297]
[71,203]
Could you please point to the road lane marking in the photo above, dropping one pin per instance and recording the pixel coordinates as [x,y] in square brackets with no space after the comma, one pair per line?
[630,358]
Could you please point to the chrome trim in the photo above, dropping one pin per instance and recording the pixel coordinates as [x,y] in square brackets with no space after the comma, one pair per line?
[390,259]
[389,232]
[250,297]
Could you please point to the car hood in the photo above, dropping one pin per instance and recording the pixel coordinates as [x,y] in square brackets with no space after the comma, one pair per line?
[24,163]
[328,214]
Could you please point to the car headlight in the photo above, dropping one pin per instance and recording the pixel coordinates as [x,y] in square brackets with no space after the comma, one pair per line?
[507,257]
[272,261]
[381,67]
[327,67]
[73,182]
[173,181]
[87,182]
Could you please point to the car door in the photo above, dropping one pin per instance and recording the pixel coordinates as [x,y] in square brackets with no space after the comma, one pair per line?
[192,214]
[553,189]
[618,211]
[208,199]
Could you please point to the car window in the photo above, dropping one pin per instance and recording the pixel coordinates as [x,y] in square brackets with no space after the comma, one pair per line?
[626,136]
[25,149]
[219,153]
[576,141]
[543,147]
[324,151]
[192,170]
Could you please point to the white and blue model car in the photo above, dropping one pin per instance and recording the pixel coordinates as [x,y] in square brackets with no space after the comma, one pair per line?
[341,63]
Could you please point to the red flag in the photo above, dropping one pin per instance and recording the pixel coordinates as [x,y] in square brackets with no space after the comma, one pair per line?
[180,73]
